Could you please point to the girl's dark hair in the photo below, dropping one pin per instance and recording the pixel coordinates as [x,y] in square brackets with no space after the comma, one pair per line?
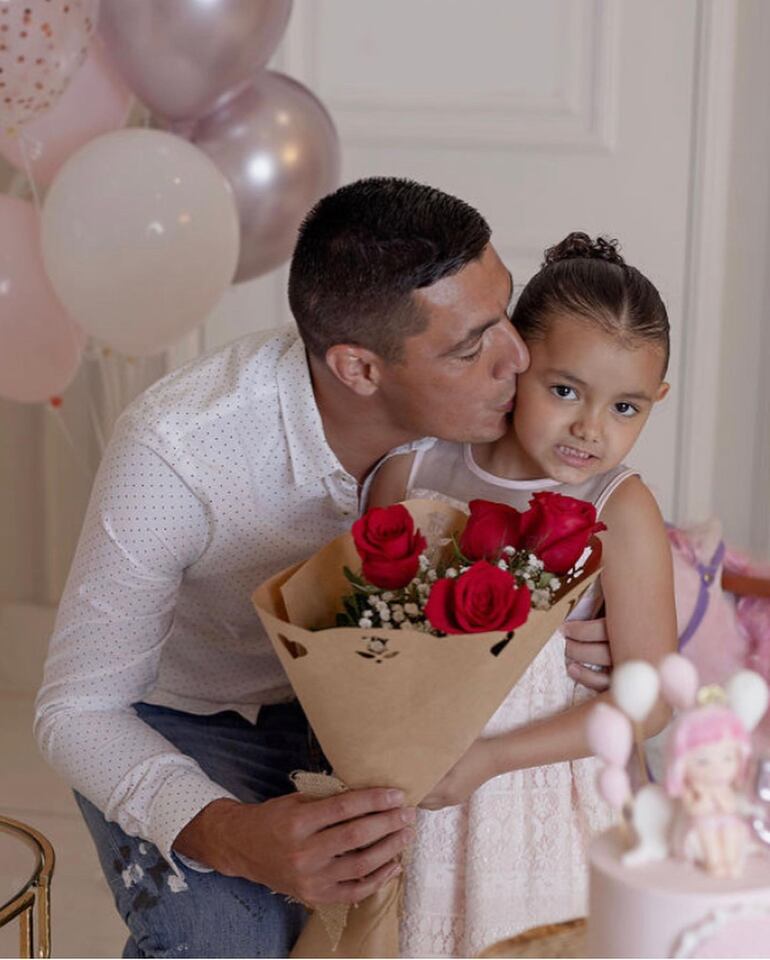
[590,278]
[361,252]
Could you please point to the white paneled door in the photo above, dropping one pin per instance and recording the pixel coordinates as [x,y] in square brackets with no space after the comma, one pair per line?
[549,116]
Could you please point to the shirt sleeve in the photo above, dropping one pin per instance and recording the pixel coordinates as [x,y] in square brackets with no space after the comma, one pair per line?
[143,527]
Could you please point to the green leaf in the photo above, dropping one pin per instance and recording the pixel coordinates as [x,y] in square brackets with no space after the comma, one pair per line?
[354,578]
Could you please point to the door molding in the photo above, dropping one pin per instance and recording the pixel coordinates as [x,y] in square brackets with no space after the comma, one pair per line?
[703,313]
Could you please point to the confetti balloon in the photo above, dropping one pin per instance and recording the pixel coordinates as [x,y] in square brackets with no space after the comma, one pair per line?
[42,44]
[95,102]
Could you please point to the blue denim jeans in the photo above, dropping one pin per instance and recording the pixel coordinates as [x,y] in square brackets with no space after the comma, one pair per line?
[215,916]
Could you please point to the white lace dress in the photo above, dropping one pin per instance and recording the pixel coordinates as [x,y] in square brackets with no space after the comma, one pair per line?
[513,856]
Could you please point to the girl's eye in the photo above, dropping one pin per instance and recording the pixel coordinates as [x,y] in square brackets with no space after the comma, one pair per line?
[626,409]
[471,356]
[564,392]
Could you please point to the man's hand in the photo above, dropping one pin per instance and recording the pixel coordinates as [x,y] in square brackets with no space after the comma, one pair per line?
[477,765]
[337,850]
[589,660]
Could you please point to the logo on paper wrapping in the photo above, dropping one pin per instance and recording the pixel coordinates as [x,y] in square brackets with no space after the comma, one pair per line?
[377,649]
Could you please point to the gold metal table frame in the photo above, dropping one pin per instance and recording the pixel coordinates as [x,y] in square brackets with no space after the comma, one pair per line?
[35,896]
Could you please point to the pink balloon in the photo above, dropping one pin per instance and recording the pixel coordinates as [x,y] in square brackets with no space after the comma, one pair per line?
[96,101]
[42,45]
[614,786]
[39,345]
[609,734]
[678,681]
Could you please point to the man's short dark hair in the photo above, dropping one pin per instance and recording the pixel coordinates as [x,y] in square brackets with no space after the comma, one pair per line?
[361,252]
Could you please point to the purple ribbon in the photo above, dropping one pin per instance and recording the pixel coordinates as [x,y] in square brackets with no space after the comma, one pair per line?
[708,574]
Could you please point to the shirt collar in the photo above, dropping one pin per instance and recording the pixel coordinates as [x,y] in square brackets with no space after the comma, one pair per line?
[310,455]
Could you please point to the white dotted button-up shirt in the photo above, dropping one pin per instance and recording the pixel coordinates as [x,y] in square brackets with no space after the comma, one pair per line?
[216,478]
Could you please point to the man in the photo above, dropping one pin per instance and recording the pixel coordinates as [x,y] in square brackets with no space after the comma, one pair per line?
[163,704]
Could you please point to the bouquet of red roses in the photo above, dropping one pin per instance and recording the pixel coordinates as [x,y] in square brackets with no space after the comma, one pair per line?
[402,638]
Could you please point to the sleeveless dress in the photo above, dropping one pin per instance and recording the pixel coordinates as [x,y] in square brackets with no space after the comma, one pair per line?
[514,855]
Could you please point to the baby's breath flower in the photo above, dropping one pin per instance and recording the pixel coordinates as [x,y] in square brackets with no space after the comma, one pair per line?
[555,584]
[398,615]
[451,573]
[384,613]
[424,562]
[411,609]
[502,564]
[368,614]
[431,576]
[388,596]
[541,599]
[365,623]
[509,551]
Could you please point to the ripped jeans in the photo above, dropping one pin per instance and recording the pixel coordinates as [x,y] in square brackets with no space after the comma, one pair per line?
[209,915]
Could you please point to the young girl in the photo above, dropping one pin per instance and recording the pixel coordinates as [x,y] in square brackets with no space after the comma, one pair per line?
[512,854]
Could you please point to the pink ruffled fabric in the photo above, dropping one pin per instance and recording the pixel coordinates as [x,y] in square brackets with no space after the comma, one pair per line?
[735,631]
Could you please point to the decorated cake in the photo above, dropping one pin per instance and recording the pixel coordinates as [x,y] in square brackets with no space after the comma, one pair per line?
[686,873]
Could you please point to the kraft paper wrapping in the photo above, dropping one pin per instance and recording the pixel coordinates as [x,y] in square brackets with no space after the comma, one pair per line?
[401,716]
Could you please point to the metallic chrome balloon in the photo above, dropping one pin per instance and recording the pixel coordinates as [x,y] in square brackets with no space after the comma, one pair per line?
[181,56]
[278,148]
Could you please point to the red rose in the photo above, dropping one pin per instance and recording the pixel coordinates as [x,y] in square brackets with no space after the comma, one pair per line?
[388,545]
[490,527]
[557,529]
[482,599]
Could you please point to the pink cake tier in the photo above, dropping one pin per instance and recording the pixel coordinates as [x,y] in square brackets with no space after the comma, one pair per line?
[673,909]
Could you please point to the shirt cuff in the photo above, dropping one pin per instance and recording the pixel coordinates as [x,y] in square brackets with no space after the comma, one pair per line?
[176,803]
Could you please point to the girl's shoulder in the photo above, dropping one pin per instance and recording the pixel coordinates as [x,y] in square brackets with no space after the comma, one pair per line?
[632,511]
[391,480]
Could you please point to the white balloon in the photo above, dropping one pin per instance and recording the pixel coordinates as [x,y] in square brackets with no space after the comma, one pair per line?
[747,695]
[634,688]
[652,816]
[679,681]
[140,238]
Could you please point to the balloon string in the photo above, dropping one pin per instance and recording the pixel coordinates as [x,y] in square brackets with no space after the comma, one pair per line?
[28,169]
[65,431]
[97,427]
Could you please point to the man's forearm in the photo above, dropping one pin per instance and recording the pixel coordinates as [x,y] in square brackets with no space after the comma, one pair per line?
[205,838]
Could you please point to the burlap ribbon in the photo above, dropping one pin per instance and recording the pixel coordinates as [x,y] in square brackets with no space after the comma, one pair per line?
[334,916]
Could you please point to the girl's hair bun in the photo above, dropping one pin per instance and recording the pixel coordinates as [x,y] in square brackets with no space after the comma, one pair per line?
[579,246]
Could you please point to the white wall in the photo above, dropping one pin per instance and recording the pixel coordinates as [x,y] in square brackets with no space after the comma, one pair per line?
[742,467]
[642,118]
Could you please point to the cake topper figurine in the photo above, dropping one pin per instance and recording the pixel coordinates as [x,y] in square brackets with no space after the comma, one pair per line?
[701,812]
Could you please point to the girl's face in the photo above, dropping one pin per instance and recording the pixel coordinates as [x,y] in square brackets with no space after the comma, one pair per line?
[713,765]
[583,400]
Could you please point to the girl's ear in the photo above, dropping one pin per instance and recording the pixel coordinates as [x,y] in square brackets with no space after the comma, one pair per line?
[662,391]
[356,367]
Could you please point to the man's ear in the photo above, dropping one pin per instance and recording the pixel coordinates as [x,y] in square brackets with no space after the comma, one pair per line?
[359,369]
